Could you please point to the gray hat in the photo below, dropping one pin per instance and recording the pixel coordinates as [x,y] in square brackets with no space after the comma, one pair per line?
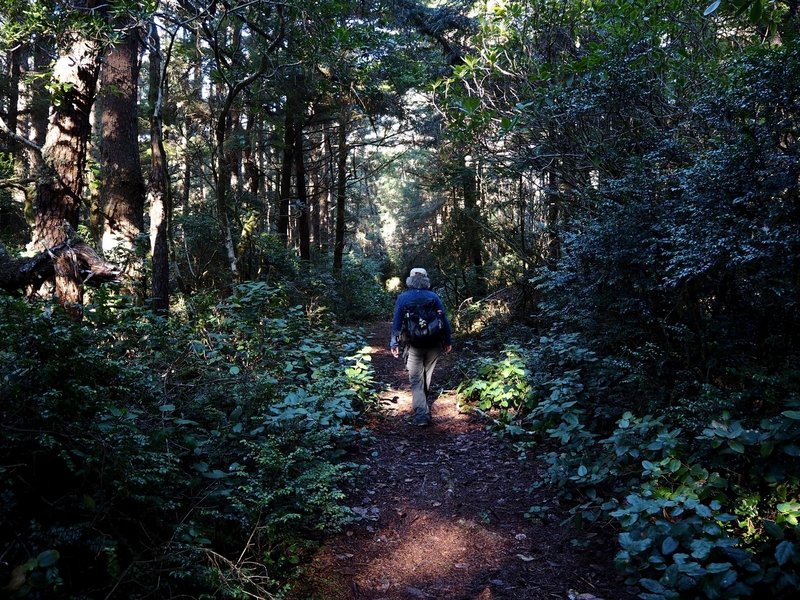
[418,279]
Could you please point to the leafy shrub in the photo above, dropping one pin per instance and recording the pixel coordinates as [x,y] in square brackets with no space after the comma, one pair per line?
[159,457]
[353,296]
[499,384]
[709,516]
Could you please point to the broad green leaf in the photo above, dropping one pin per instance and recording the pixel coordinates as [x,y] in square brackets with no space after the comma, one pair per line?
[736,446]
[711,8]
[729,579]
[470,104]
[784,552]
[718,567]
[788,507]
[669,545]
[652,585]
[774,530]
[692,569]
[701,548]
[791,450]
[48,558]
[756,11]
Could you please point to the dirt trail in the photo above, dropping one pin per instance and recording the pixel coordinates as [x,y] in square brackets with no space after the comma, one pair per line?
[443,510]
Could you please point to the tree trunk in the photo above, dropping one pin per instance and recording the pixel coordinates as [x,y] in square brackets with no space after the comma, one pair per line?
[286,176]
[18,98]
[553,212]
[522,208]
[122,189]
[223,186]
[341,193]
[14,62]
[327,195]
[39,104]
[303,229]
[253,176]
[190,127]
[473,234]
[58,196]
[315,187]
[256,209]
[158,190]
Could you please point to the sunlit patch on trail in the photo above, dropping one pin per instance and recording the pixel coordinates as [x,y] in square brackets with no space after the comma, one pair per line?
[432,556]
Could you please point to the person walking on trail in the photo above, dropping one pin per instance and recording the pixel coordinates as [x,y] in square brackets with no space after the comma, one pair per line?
[421,329]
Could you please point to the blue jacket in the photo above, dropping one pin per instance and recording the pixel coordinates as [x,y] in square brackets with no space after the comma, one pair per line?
[412,296]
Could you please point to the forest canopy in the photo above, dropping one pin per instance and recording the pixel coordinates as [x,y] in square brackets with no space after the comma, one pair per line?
[202,201]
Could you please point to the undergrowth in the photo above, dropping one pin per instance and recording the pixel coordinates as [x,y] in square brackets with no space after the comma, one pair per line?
[200,455]
[711,513]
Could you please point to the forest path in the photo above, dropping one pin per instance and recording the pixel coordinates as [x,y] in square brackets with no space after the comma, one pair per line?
[443,510]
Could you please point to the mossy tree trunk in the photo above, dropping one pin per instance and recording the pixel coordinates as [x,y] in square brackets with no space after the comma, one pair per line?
[61,178]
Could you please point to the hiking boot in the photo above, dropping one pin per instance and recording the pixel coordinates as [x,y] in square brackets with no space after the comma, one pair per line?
[422,421]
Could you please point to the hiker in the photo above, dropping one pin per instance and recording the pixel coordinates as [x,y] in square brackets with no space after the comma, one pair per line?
[421,327]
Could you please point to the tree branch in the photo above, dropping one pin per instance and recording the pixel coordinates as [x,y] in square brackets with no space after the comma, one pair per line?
[15,136]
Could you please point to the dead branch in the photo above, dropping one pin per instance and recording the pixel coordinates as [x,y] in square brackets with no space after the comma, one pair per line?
[86,266]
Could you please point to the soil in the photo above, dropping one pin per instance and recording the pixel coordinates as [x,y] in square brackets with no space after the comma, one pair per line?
[444,509]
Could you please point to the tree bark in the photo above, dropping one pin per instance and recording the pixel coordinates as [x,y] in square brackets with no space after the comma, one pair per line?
[472,224]
[341,193]
[15,62]
[224,170]
[223,186]
[553,215]
[327,194]
[303,229]
[122,192]
[158,189]
[286,176]
[58,196]
[18,101]
[314,186]
[39,104]
[253,176]
[224,167]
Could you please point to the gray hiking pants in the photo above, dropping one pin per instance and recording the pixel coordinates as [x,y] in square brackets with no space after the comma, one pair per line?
[420,363]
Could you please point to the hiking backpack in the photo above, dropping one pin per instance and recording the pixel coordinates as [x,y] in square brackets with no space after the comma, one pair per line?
[423,324]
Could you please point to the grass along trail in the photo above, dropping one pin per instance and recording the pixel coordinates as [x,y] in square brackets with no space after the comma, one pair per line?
[444,513]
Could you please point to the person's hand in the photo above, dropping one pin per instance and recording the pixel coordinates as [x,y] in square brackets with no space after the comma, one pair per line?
[396,352]
[447,348]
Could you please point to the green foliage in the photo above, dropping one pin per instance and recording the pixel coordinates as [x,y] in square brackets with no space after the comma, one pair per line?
[356,295]
[175,456]
[725,533]
[670,406]
[499,384]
